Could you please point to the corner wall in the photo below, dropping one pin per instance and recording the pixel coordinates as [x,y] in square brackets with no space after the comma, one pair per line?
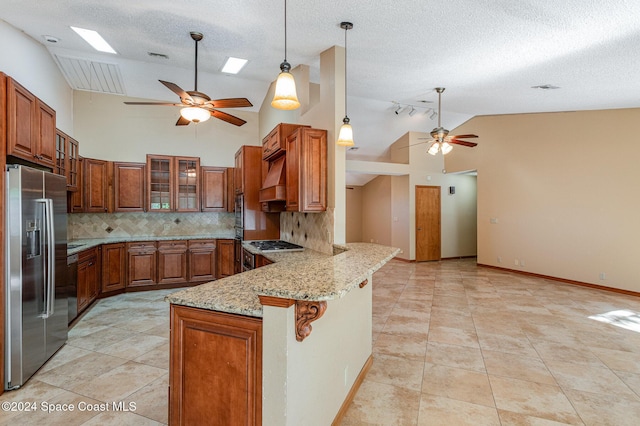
[562,189]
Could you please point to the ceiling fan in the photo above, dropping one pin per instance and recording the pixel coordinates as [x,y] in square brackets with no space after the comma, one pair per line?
[197,106]
[442,141]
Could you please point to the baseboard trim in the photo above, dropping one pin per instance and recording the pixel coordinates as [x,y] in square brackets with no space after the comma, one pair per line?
[352,392]
[564,280]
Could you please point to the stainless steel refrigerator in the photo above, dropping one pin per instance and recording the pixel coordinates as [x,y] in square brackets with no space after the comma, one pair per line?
[36,264]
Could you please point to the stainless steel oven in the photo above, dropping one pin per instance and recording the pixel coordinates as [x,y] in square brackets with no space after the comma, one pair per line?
[248,260]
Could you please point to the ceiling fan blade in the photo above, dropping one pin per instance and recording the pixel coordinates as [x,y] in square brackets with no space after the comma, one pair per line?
[182,121]
[463,143]
[230,103]
[464,136]
[177,90]
[226,117]
[153,103]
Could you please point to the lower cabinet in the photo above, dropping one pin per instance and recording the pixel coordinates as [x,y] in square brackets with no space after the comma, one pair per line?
[202,260]
[226,258]
[114,273]
[215,372]
[172,262]
[88,285]
[141,264]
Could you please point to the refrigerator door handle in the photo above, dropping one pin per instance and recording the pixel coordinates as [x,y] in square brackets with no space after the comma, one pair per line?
[51,257]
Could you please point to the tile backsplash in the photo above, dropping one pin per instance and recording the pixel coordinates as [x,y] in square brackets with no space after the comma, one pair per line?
[109,225]
[311,230]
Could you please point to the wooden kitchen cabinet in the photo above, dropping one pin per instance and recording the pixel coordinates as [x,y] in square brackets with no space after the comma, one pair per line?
[214,189]
[231,196]
[172,262]
[173,183]
[89,271]
[306,167]
[260,261]
[113,267]
[273,145]
[238,179]
[75,199]
[31,126]
[67,156]
[97,185]
[225,258]
[129,183]
[141,264]
[222,378]
[202,261]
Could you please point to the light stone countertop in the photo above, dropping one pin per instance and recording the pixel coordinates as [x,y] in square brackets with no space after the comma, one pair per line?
[306,275]
[93,242]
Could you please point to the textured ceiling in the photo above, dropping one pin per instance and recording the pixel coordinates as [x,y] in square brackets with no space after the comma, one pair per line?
[487,53]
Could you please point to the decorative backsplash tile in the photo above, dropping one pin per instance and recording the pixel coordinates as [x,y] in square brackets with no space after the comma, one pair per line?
[311,230]
[106,225]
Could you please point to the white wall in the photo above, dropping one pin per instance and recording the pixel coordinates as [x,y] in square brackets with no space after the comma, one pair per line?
[30,64]
[563,188]
[376,211]
[110,130]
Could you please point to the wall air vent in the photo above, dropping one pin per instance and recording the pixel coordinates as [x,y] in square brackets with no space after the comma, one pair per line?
[92,76]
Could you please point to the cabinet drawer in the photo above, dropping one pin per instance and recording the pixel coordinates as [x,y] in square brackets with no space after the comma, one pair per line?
[202,244]
[180,245]
[142,246]
[88,254]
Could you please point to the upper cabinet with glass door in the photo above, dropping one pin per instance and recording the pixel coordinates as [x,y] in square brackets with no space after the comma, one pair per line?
[174,184]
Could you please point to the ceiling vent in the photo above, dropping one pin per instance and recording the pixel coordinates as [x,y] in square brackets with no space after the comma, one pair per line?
[92,76]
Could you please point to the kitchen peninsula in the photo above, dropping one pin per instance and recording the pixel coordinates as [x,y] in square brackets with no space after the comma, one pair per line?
[285,344]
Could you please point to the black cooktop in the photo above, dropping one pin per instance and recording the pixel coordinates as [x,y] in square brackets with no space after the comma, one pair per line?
[276,245]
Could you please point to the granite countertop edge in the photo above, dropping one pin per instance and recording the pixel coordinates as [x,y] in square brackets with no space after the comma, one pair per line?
[306,275]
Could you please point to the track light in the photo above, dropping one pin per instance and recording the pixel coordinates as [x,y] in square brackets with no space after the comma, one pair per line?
[398,109]
[433,115]
[412,112]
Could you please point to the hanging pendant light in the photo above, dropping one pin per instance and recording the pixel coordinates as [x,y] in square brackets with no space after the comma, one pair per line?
[285,96]
[345,137]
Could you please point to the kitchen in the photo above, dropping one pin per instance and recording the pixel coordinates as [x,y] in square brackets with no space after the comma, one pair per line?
[119,141]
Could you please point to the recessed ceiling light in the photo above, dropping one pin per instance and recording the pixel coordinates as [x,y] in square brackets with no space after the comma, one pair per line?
[233,65]
[545,87]
[94,39]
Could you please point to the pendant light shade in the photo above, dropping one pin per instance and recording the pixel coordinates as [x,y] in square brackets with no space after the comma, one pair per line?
[345,137]
[195,114]
[285,96]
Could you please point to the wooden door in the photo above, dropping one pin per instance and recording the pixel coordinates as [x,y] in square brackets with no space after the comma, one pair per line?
[129,182]
[141,264]
[427,223]
[46,134]
[22,131]
[214,189]
[215,376]
[113,267]
[226,258]
[96,186]
[202,260]
[172,262]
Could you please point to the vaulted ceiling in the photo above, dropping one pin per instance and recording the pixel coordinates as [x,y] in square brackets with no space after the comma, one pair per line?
[487,53]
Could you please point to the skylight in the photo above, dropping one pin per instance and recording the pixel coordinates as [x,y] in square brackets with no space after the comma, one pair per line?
[234,65]
[94,39]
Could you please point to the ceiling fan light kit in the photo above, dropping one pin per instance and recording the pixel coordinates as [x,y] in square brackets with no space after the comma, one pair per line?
[345,136]
[195,114]
[285,96]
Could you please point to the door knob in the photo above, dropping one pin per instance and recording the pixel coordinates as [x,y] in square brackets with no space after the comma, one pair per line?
[419,229]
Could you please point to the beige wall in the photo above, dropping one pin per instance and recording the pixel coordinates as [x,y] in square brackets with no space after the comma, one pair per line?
[376,209]
[563,188]
[400,217]
[110,130]
[354,214]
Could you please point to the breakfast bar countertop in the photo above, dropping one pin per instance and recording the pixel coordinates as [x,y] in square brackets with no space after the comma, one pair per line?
[303,275]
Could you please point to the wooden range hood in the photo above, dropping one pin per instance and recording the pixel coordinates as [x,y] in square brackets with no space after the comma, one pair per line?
[274,186]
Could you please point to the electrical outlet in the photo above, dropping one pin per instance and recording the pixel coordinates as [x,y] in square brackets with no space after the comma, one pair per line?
[522,263]
[493,220]
[603,276]
[499,259]
[166,227]
[516,262]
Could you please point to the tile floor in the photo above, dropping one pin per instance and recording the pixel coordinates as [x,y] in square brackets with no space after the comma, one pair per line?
[454,344]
